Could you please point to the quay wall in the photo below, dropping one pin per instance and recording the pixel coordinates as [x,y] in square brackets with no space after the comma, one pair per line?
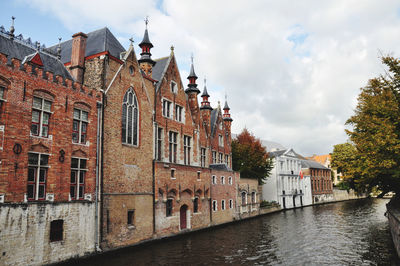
[25,232]
[393,215]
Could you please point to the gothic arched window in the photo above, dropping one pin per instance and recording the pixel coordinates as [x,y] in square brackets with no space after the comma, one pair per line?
[130,118]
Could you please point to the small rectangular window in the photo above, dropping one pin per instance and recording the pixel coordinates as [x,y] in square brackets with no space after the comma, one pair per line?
[214,157]
[214,205]
[173,173]
[186,149]
[220,157]
[56,230]
[167,112]
[131,216]
[223,205]
[230,204]
[159,143]
[173,146]
[196,205]
[198,175]
[214,179]
[168,206]
[178,113]
[203,157]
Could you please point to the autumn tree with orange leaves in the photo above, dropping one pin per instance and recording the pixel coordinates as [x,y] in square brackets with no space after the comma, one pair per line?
[250,158]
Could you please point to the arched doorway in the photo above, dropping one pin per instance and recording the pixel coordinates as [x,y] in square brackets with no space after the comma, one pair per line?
[183,217]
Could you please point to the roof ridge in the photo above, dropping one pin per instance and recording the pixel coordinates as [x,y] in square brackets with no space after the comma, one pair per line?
[161,58]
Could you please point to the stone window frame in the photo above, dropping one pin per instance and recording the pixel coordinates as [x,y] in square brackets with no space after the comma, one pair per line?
[221,140]
[187,148]
[56,230]
[37,175]
[173,146]
[222,180]
[196,205]
[230,204]
[223,205]
[243,195]
[167,110]
[159,145]
[82,124]
[203,157]
[220,157]
[230,180]
[79,171]
[253,197]
[214,157]
[179,113]
[130,126]
[131,218]
[214,180]
[43,113]
[174,87]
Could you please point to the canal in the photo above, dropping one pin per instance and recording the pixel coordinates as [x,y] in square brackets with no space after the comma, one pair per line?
[344,233]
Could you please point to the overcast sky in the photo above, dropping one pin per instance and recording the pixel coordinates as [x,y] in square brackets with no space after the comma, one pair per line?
[291,70]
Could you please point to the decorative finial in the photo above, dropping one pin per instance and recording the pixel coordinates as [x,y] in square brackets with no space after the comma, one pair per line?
[59,48]
[12,29]
[38,46]
[205,81]
[226,97]
[172,48]
[146,21]
[191,57]
[132,41]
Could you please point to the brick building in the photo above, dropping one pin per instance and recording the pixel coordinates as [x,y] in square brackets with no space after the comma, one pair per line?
[321,181]
[126,187]
[48,150]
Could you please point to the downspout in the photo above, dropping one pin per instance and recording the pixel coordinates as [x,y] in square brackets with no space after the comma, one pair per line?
[153,165]
[98,142]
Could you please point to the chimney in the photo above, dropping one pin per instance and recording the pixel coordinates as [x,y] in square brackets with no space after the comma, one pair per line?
[78,56]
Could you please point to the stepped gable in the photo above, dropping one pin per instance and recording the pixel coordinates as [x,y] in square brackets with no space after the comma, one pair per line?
[21,49]
[97,41]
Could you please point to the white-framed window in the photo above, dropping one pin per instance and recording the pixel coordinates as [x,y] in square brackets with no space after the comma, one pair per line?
[79,126]
[78,174]
[230,180]
[178,113]
[203,157]
[167,111]
[215,205]
[230,204]
[214,157]
[130,118]
[223,180]
[198,175]
[38,164]
[214,179]
[186,149]
[174,87]
[41,110]
[173,146]
[227,159]
[220,140]
[222,204]
[220,157]
[159,146]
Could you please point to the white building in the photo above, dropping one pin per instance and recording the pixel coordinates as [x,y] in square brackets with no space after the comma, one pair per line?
[285,184]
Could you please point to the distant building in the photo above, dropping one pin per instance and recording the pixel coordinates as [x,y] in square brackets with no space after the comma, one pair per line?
[286,185]
[321,182]
[325,160]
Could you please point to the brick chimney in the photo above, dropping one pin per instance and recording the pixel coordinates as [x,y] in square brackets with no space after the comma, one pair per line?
[78,56]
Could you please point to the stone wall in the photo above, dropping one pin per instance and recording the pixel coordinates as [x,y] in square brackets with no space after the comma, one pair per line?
[25,232]
[393,215]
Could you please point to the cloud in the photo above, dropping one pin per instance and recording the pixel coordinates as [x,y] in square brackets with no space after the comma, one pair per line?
[291,69]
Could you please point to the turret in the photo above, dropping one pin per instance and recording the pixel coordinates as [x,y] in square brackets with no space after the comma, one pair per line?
[205,108]
[227,117]
[145,62]
[192,91]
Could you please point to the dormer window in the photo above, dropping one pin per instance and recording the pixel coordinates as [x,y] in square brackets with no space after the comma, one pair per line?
[178,113]
[174,87]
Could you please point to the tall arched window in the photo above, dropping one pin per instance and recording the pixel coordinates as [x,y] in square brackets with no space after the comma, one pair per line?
[130,118]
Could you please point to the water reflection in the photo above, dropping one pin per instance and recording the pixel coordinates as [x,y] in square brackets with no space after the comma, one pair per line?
[345,233]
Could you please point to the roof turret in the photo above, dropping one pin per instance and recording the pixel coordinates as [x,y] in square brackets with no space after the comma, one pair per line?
[192,87]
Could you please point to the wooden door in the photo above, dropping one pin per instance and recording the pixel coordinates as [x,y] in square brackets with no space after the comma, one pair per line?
[183,217]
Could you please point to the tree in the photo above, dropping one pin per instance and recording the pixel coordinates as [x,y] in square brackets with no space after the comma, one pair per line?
[250,158]
[344,160]
[376,131]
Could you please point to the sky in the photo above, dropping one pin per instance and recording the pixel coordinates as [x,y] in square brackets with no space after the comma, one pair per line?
[291,70]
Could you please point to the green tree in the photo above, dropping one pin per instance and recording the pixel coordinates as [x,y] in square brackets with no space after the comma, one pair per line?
[376,129]
[250,158]
[344,160]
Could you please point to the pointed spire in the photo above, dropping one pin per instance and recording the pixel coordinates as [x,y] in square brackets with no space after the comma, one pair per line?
[227,115]
[146,45]
[226,106]
[192,87]
[205,93]
[12,29]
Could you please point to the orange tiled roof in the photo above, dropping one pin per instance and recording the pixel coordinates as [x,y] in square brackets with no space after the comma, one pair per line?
[320,158]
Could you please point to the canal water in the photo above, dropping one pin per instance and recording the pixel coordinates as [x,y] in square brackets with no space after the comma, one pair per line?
[344,233]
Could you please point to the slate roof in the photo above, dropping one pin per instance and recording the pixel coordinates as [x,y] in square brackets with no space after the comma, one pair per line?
[213,120]
[20,50]
[159,68]
[98,41]
[312,164]
[281,152]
